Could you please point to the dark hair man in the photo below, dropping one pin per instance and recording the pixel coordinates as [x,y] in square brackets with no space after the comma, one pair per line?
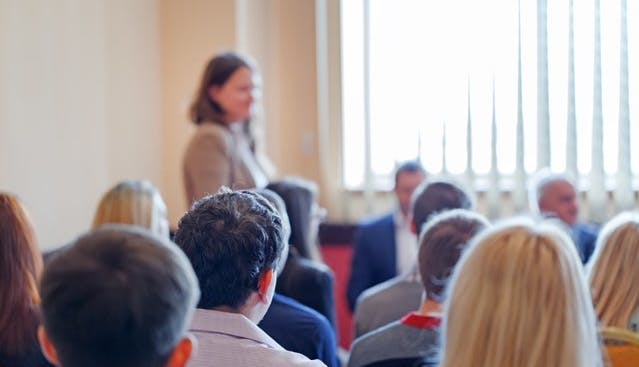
[118,296]
[378,305]
[386,246]
[234,241]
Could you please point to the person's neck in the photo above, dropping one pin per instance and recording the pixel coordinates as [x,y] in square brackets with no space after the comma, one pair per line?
[252,309]
[430,308]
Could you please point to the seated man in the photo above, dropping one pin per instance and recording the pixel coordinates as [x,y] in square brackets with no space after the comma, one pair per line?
[552,195]
[386,246]
[378,305]
[118,296]
[415,337]
[234,241]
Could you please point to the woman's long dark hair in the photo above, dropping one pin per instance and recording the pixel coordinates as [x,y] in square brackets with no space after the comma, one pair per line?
[299,197]
[20,269]
[217,73]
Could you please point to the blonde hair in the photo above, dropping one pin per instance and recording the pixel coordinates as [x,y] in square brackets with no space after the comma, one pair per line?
[614,270]
[133,202]
[518,298]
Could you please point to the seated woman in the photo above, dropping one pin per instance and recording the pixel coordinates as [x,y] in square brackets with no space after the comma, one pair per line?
[518,298]
[20,270]
[294,326]
[136,203]
[614,271]
[304,277]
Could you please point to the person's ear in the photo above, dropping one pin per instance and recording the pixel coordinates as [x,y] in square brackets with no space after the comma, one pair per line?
[183,351]
[265,283]
[214,92]
[47,347]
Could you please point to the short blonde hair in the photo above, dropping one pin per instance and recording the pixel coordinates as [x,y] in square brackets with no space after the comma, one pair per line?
[133,202]
[518,298]
[614,270]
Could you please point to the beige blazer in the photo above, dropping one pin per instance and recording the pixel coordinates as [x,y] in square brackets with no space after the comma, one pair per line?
[218,156]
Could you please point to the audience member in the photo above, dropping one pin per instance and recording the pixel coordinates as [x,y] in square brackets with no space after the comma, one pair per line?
[518,297]
[304,277]
[118,296]
[294,326]
[20,268]
[378,306]
[416,335]
[234,241]
[614,271]
[553,195]
[136,203]
[386,246]
[222,152]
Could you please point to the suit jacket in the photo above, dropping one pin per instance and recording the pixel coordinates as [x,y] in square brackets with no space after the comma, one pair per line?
[374,257]
[300,329]
[387,302]
[585,237]
[311,284]
[218,156]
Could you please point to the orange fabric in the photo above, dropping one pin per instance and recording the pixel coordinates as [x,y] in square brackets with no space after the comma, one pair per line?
[624,355]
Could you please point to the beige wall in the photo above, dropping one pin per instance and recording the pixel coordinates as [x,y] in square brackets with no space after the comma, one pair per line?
[78,105]
[190,32]
[96,91]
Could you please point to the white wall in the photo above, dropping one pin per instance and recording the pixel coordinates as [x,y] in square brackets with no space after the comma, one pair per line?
[79,88]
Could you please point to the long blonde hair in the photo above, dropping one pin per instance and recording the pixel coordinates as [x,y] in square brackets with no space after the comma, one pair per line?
[518,298]
[614,270]
[133,202]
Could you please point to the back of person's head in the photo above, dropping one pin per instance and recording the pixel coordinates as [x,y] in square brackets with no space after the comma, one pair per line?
[232,239]
[435,196]
[217,72]
[133,202]
[614,271]
[118,296]
[20,268]
[518,297]
[441,243]
[299,195]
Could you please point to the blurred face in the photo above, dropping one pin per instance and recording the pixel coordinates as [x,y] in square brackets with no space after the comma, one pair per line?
[236,95]
[406,183]
[560,199]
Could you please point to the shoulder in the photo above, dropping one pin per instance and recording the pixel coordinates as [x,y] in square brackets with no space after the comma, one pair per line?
[211,133]
[286,358]
[377,221]
[299,316]
[307,269]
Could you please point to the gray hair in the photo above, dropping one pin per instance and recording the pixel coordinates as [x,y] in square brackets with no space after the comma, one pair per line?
[538,184]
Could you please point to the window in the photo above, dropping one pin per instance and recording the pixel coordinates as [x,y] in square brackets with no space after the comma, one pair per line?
[411,67]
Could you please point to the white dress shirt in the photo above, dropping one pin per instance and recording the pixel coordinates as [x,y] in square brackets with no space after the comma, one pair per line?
[406,248]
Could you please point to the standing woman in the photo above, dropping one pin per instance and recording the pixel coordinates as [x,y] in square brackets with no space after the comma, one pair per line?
[222,152]
[20,269]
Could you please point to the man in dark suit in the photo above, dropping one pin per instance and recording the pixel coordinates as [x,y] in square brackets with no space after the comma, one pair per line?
[386,246]
[554,196]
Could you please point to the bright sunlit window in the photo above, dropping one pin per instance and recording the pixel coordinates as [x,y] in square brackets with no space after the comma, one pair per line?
[410,67]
